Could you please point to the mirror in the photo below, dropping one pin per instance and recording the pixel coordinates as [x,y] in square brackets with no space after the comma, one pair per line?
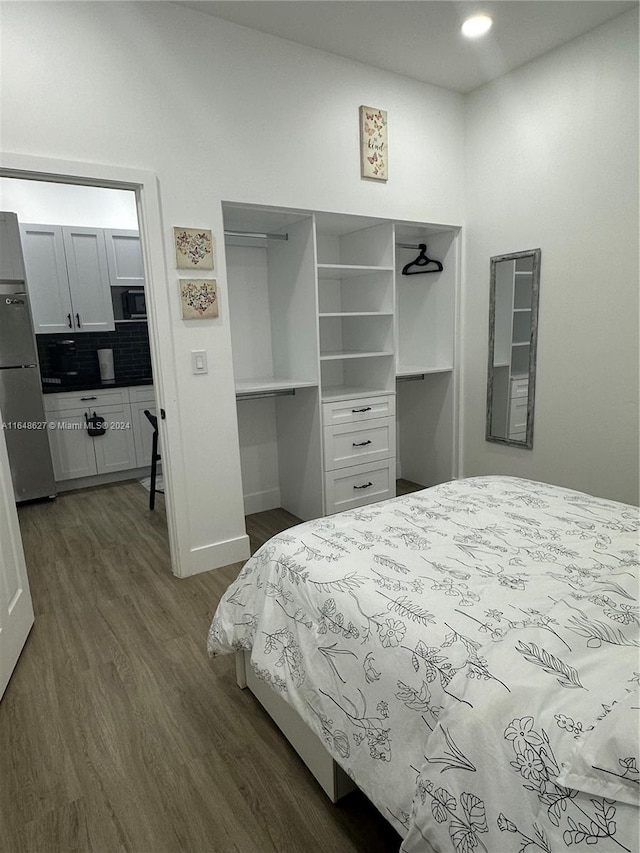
[513,332]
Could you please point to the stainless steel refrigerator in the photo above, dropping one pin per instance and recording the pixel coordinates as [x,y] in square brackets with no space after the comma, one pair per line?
[21,405]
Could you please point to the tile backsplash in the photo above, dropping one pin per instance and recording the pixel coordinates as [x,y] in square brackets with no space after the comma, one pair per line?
[130,345]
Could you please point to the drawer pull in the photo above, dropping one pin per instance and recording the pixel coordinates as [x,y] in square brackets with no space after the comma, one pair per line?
[366,409]
[361,443]
[366,486]
[88,398]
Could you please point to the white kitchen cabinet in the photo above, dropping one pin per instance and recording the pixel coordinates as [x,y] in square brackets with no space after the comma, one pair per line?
[67,278]
[124,258]
[73,451]
[142,397]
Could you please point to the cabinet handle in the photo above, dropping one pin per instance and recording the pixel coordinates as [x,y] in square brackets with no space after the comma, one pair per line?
[70,321]
[78,319]
[366,409]
[88,398]
[366,486]
[360,443]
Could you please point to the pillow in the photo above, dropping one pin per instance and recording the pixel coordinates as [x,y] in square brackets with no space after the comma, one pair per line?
[605,760]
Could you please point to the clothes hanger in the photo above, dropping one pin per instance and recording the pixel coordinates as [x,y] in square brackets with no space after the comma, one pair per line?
[421,261]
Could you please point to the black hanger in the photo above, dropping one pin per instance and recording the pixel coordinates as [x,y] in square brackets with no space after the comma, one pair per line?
[421,261]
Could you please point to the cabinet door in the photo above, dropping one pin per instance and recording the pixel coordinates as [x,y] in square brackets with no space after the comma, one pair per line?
[115,450]
[88,279]
[124,258]
[47,279]
[11,265]
[71,445]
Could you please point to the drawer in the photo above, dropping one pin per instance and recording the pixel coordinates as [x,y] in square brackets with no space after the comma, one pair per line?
[364,409]
[83,399]
[519,388]
[352,444]
[142,394]
[347,488]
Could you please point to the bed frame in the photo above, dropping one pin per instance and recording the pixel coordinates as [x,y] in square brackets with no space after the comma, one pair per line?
[329,775]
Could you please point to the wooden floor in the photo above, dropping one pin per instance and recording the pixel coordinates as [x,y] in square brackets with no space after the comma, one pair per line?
[118,733]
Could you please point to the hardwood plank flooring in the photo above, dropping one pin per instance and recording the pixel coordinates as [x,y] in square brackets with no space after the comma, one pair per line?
[118,734]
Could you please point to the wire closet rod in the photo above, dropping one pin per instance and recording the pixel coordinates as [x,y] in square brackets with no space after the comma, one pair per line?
[259,235]
[408,245]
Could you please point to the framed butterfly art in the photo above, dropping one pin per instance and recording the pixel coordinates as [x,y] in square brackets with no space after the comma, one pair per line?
[374,154]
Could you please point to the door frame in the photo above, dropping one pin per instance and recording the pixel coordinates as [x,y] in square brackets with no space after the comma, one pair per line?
[159,310]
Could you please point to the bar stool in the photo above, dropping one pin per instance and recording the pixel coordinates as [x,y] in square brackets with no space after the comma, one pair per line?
[155,458]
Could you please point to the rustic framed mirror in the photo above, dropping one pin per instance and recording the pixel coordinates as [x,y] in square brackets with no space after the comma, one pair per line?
[513,337]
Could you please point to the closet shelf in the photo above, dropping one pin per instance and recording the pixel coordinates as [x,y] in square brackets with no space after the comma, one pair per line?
[412,369]
[335,393]
[266,384]
[356,314]
[342,271]
[342,354]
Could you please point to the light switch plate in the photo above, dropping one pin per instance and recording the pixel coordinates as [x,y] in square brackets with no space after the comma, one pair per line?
[199,361]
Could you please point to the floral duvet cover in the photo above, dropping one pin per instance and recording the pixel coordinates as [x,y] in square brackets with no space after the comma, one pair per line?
[469,654]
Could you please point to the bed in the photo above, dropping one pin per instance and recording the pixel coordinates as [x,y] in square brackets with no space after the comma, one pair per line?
[467,654]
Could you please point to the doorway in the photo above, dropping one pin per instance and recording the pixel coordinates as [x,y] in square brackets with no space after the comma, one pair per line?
[92,200]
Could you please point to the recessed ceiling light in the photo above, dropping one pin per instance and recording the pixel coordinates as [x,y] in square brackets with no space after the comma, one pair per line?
[476,26]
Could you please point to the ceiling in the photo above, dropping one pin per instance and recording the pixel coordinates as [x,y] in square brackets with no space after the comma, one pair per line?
[421,38]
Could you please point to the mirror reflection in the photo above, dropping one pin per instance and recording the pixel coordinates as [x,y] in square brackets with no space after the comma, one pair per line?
[513,326]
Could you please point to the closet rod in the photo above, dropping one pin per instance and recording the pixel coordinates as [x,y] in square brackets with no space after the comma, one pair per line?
[412,378]
[260,235]
[261,395]
[407,245]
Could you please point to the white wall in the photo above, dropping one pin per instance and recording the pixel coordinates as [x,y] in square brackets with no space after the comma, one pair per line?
[552,162]
[67,204]
[218,112]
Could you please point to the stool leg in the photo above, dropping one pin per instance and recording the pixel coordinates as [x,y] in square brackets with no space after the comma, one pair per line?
[154,467]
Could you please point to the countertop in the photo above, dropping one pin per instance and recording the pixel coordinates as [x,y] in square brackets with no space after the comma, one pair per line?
[94,386]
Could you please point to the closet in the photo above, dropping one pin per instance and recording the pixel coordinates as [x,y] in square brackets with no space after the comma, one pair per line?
[343,366]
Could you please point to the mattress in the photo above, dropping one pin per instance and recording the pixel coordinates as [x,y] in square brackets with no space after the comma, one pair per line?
[467,653]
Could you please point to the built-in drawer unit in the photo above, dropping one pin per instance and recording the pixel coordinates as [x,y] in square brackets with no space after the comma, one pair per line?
[359,409]
[353,443]
[358,485]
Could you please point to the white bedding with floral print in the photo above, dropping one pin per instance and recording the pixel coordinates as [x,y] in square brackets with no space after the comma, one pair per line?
[455,649]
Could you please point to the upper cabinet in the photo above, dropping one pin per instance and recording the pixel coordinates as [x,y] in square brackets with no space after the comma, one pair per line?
[124,258]
[11,264]
[68,279]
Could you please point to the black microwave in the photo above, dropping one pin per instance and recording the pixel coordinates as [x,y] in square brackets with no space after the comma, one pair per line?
[134,306]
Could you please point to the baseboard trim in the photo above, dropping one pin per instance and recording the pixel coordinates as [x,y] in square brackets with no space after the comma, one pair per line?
[205,558]
[262,501]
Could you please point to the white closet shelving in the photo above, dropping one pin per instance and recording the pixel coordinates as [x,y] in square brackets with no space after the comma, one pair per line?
[322,325]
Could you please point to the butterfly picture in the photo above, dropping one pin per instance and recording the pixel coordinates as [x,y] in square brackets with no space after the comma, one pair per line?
[373,144]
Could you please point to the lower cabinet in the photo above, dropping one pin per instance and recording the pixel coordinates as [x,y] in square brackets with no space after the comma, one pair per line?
[359,451]
[74,452]
[142,397]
